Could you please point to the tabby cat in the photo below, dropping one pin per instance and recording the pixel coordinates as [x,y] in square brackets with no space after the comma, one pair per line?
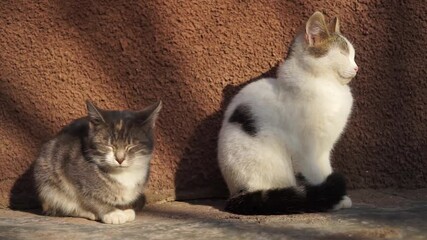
[96,167]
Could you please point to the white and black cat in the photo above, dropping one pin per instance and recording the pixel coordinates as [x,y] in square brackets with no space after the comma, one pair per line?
[96,167]
[274,128]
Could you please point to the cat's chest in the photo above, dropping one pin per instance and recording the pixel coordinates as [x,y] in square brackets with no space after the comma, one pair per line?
[328,99]
[327,110]
[130,178]
[320,107]
[128,186]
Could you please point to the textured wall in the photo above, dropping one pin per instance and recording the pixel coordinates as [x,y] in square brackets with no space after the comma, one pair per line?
[194,55]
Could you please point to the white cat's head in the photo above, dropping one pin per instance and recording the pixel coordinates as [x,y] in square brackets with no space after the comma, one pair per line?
[322,49]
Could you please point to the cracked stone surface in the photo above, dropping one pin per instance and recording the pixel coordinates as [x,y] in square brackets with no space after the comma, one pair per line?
[384,214]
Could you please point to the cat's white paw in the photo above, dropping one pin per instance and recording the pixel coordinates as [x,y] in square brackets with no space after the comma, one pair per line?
[344,203]
[130,213]
[83,214]
[88,215]
[118,216]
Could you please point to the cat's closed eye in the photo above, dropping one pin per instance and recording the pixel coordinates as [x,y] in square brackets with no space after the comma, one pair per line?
[129,147]
[105,148]
[139,149]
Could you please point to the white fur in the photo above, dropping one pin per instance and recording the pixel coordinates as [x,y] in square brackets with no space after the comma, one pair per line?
[133,172]
[119,216]
[299,117]
[344,203]
[129,177]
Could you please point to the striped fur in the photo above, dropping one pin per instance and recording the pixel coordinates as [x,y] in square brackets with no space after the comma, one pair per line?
[97,166]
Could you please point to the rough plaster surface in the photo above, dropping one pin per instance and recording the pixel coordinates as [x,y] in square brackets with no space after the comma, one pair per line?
[194,55]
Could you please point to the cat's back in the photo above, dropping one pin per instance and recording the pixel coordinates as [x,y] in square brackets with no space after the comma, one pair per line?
[64,146]
[256,95]
[77,128]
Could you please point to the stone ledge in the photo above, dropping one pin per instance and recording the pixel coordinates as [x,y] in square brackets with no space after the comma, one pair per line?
[384,214]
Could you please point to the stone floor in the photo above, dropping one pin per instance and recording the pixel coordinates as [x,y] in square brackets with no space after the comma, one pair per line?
[377,214]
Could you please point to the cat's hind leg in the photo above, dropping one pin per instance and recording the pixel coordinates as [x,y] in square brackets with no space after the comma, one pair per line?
[57,203]
[314,169]
[325,169]
[254,163]
[77,212]
[328,188]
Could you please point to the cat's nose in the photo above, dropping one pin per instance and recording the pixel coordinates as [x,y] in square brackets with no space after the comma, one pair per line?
[120,156]
[356,68]
[120,160]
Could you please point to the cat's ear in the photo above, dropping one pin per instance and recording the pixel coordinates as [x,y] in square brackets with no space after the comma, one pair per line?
[316,29]
[94,113]
[334,25]
[149,114]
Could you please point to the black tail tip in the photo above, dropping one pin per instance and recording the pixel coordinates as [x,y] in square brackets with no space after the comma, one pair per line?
[325,196]
[244,203]
[337,180]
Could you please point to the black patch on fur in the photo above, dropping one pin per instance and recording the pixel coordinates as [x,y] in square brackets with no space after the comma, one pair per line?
[242,115]
[301,179]
[291,200]
[323,197]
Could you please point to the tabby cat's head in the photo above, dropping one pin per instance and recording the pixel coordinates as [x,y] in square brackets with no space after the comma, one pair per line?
[121,139]
[322,49]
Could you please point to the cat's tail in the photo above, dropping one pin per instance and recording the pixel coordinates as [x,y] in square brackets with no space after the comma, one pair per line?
[300,199]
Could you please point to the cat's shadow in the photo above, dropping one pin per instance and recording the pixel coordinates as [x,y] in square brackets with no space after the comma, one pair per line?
[198,179]
[23,194]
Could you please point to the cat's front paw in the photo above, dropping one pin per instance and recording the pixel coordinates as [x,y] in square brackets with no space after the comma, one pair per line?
[130,213]
[88,215]
[344,203]
[119,216]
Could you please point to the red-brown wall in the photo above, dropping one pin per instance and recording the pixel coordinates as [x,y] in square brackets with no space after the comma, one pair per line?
[194,55]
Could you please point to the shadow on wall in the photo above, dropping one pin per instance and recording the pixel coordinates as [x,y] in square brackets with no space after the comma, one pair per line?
[23,194]
[132,71]
[147,50]
[199,162]
[29,131]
